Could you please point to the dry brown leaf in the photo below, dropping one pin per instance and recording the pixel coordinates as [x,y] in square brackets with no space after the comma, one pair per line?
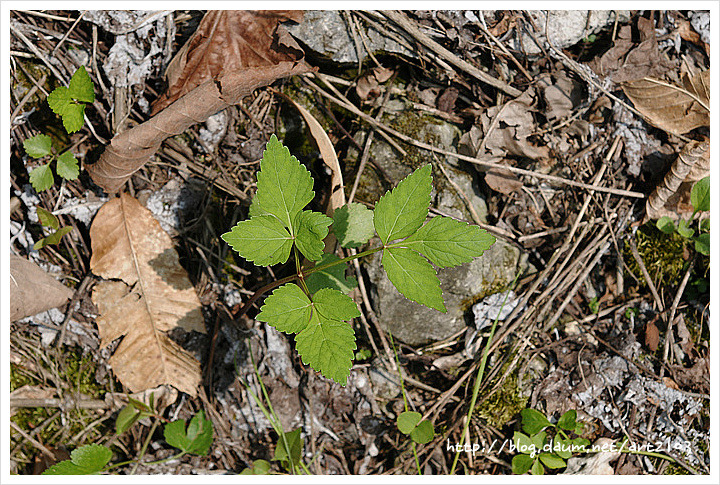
[229,41]
[503,181]
[32,290]
[369,83]
[671,197]
[153,297]
[652,336]
[672,108]
[231,81]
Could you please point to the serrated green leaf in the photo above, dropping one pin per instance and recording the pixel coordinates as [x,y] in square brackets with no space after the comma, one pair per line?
[567,420]
[53,238]
[414,277]
[330,277]
[533,420]
[312,228]
[81,86]
[72,113]
[423,433]
[700,195]
[260,239]
[684,229]
[521,464]
[402,211]
[67,166]
[260,467]
[334,305]
[289,449]
[551,461]
[284,186]
[86,460]
[327,344]
[448,242]
[665,224]
[702,244]
[47,218]
[196,439]
[537,468]
[38,146]
[287,309]
[353,225]
[407,421]
[41,178]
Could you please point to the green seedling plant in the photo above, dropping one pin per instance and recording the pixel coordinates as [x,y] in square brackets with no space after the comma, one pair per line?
[539,450]
[193,438]
[700,200]
[313,303]
[411,423]
[49,220]
[68,103]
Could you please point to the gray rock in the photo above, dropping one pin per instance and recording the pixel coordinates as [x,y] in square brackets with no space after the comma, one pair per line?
[327,33]
[462,286]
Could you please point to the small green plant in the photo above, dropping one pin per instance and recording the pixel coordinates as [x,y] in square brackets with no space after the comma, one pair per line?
[700,200]
[539,450]
[193,438]
[69,104]
[48,219]
[316,309]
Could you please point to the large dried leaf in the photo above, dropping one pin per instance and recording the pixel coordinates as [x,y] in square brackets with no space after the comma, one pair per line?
[227,41]
[153,297]
[674,109]
[28,282]
[207,86]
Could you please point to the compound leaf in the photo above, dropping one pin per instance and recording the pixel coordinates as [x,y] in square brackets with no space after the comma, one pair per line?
[327,343]
[353,225]
[448,242]
[284,186]
[81,86]
[67,166]
[196,439]
[330,277]
[287,309]
[260,239]
[38,146]
[700,195]
[41,178]
[402,211]
[413,276]
[62,104]
[312,228]
[86,460]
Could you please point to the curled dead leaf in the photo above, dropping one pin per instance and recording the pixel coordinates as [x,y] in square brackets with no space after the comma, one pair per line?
[150,295]
[27,282]
[503,181]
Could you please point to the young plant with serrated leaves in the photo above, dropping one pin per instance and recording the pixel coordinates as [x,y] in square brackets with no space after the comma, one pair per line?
[69,104]
[313,303]
[700,200]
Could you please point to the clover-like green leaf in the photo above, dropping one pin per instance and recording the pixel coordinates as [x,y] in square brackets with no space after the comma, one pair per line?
[41,178]
[38,146]
[287,309]
[259,467]
[312,228]
[284,186]
[665,224]
[423,432]
[533,421]
[327,343]
[407,421]
[567,420]
[196,439]
[86,460]
[537,468]
[700,195]
[414,277]
[402,211]
[523,443]
[448,242]
[684,229]
[521,464]
[260,239]
[67,166]
[330,277]
[353,225]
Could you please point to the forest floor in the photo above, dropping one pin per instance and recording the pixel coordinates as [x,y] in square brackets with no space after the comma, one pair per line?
[577,147]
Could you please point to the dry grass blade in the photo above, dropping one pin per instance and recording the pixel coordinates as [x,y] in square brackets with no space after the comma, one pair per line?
[153,296]
[672,108]
[693,154]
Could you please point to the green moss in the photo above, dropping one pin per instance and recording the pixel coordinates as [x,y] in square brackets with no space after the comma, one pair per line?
[504,404]
[661,253]
[674,469]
